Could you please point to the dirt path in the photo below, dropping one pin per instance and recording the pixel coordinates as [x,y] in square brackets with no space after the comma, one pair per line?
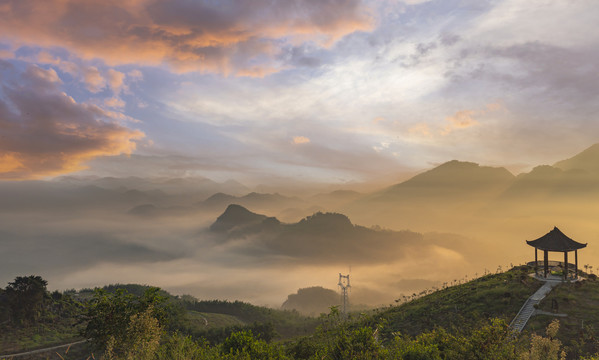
[33,352]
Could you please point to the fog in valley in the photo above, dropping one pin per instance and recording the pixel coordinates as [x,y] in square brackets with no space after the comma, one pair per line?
[455,221]
[243,150]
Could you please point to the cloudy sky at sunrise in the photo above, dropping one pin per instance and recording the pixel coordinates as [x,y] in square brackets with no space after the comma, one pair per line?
[325,90]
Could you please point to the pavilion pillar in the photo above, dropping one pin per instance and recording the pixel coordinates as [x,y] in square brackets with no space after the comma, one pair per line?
[546,260]
[576,264]
[565,265]
[536,262]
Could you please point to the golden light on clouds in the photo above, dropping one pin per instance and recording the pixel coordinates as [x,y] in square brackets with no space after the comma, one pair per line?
[460,120]
[46,132]
[9,163]
[465,118]
[421,129]
[300,140]
[90,143]
[243,38]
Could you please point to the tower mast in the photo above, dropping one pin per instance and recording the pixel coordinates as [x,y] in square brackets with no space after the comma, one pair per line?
[344,286]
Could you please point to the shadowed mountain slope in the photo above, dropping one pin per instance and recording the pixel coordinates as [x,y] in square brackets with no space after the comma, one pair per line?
[312,300]
[454,179]
[587,160]
[271,203]
[447,194]
[322,237]
[236,216]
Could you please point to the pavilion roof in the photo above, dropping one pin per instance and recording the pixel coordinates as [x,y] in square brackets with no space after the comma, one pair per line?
[555,240]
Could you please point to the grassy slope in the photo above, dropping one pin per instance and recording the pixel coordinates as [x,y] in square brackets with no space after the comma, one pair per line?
[458,308]
[580,301]
[462,307]
[212,320]
[286,323]
[43,335]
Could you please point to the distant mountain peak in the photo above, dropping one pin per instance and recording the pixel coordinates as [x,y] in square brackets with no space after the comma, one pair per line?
[235,215]
[460,173]
[312,300]
[587,160]
[219,197]
[327,220]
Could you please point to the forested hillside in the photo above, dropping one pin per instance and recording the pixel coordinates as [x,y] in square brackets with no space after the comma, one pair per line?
[463,321]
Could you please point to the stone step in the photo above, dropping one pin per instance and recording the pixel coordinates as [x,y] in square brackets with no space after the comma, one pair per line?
[528,309]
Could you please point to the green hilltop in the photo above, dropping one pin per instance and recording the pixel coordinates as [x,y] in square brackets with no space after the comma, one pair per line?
[462,319]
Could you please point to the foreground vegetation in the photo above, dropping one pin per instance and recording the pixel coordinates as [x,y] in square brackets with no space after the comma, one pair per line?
[467,321]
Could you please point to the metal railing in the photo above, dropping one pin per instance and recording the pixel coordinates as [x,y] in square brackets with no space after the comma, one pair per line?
[552,264]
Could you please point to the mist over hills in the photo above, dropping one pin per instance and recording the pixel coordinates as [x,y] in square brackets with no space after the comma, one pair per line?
[236,216]
[426,201]
[453,179]
[454,219]
[323,238]
[312,301]
[173,186]
[587,160]
[468,198]
[270,203]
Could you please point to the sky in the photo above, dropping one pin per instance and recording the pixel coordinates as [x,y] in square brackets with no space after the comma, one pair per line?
[333,91]
[279,93]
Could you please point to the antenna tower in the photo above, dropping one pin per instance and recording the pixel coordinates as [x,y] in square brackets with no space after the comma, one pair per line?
[344,286]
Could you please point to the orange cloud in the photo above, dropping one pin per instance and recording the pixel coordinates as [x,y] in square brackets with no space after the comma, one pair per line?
[300,140]
[461,119]
[116,80]
[206,36]
[45,132]
[93,79]
[114,102]
[9,163]
[465,118]
[420,129]
[257,71]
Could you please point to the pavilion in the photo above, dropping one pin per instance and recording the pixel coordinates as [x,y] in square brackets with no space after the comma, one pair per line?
[556,241]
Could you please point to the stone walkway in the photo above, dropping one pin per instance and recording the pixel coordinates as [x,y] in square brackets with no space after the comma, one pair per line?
[528,309]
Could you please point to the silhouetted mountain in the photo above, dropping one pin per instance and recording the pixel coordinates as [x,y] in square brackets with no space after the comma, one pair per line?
[272,203]
[553,184]
[312,301]
[325,222]
[540,182]
[236,216]
[587,160]
[453,179]
[219,199]
[328,237]
[429,200]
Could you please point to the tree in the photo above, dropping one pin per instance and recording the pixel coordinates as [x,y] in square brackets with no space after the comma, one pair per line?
[546,348]
[243,345]
[26,296]
[359,343]
[141,340]
[109,315]
[180,347]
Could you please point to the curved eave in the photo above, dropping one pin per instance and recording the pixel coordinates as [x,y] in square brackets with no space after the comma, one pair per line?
[541,247]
